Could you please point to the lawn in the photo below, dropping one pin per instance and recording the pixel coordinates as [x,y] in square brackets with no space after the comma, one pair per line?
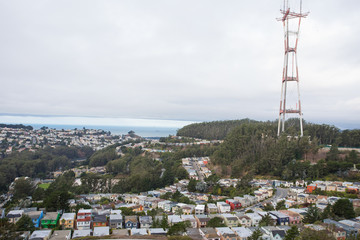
[44,185]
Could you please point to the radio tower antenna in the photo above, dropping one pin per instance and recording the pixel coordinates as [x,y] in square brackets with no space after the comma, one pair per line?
[291,19]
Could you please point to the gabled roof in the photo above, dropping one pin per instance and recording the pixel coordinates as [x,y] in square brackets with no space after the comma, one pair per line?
[281,233]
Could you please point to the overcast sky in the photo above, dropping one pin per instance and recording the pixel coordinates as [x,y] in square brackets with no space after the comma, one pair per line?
[188,60]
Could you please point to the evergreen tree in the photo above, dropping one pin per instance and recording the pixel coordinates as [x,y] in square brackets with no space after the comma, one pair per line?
[265,221]
[292,233]
[216,222]
[256,235]
[343,208]
[192,185]
[312,215]
[164,222]
[25,224]
[179,228]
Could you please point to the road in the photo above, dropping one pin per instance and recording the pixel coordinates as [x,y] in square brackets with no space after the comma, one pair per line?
[281,193]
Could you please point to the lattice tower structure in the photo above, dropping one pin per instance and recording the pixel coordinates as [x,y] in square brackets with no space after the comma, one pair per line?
[291,19]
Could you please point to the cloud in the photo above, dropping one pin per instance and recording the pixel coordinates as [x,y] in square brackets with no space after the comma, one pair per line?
[185,60]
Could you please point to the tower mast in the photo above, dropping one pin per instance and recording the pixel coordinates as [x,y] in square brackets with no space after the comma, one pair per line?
[291,19]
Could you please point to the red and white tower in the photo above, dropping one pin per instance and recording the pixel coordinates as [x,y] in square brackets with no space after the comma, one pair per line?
[291,19]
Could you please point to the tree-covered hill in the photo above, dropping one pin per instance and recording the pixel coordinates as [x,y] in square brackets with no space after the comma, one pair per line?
[325,134]
[256,148]
[216,130]
[39,163]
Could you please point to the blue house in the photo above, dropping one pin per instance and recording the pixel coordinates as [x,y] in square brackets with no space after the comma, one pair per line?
[131,222]
[282,219]
[36,217]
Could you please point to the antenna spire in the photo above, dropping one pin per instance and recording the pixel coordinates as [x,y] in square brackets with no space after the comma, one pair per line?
[290,70]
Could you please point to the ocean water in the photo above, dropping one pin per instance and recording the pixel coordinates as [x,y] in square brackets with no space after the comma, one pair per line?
[118,130]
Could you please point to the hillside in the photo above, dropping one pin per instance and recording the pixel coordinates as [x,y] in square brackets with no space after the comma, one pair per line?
[253,147]
[323,133]
[216,130]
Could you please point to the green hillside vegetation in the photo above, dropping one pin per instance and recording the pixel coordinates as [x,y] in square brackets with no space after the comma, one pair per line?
[216,130]
[103,156]
[325,134]
[40,163]
[254,148]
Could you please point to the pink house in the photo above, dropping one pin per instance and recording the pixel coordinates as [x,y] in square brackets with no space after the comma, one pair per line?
[294,218]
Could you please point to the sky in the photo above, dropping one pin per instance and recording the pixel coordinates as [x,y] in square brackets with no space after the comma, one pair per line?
[173,60]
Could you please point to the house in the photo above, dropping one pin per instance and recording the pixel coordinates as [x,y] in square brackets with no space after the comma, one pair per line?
[84,219]
[211,208]
[191,219]
[100,221]
[131,222]
[282,219]
[322,187]
[115,212]
[278,234]
[311,199]
[338,232]
[50,220]
[255,218]
[302,212]
[331,188]
[350,231]
[81,233]
[226,233]
[67,220]
[202,220]
[243,201]
[209,233]
[290,203]
[188,209]
[300,183]
[273,220]
[61,235]
[145,221]
[251,199]
[233,204]
[223,207]
[230,219]
[40,235]
[310,188]
[173,219]
[242,232]
[138,232]
[199,209]
[244,221]
[194,233]
[163,203]
[302,198]
[36,217]
[341,189]
[82,213]
[101,231]
[294,218]
[157,231]
[14,215]
[321,199]
[115,221]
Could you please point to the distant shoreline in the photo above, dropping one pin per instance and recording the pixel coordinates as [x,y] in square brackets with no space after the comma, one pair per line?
[153,132]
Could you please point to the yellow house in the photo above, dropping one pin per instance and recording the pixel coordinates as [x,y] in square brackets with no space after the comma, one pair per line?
[67,220]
